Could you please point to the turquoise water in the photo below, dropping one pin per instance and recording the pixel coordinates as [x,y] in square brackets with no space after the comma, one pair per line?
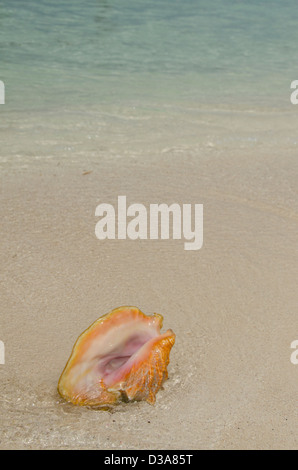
[143,52]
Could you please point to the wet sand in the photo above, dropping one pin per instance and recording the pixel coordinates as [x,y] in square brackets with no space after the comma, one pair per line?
[232,304]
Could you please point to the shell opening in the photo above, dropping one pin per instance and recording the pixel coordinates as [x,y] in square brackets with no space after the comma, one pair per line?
[111,364]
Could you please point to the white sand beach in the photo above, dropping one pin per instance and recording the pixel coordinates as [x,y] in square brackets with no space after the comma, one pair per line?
[232,304]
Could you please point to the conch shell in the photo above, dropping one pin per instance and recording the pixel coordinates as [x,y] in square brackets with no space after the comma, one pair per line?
[121,356]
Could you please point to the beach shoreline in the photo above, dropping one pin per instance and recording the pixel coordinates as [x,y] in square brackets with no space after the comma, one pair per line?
[232,304]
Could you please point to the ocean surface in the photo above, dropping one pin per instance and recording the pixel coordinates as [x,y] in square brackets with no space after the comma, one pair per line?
[147,53]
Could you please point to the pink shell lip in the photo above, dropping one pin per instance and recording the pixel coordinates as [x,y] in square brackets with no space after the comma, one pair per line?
[121,355]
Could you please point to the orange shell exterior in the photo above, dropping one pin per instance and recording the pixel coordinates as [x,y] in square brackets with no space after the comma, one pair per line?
[141,381]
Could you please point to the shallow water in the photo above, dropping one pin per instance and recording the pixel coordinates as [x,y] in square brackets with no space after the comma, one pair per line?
[119,77]
[57,53]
